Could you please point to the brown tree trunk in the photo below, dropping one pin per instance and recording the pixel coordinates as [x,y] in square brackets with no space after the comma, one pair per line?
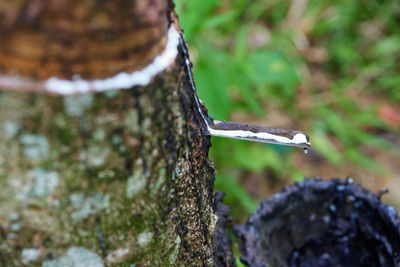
[115,177]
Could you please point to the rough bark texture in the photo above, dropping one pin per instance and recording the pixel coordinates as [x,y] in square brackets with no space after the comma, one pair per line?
[116,178]
[223,243]
[95,39]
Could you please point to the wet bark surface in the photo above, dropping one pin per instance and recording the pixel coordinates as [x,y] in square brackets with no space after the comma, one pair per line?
[322,223]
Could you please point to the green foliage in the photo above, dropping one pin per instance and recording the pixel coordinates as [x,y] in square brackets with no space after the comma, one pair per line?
[236,74]
[236,195]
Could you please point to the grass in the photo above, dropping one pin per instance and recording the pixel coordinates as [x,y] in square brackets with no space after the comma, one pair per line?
[328,68]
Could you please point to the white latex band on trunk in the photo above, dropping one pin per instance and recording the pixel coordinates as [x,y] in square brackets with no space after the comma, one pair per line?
[121,80]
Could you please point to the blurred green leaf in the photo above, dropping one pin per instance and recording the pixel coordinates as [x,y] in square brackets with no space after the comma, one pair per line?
[257,157]
[296,175]
[241,42]
[387,46]
[367,117]
[323,145]
[196,13]
[391,83]
[335,124]
[372,140]
[273,68]
[364,161]
[244,86]
[222,18]
[235,192]
[212,85]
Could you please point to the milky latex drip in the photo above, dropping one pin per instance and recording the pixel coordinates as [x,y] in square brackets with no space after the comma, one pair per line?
[299,139]
[122,80]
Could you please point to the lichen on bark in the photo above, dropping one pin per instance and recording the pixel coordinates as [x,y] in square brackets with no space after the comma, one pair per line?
[124,171]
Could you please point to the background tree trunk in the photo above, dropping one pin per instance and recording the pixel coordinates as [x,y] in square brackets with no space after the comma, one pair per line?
[109,178]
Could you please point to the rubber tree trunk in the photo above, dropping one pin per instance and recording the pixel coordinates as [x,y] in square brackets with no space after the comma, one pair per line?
[113,177]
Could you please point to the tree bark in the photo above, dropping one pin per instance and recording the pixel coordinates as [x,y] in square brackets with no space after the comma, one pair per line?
[113,178]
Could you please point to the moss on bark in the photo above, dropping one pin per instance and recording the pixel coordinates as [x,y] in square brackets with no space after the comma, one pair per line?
[123,174]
